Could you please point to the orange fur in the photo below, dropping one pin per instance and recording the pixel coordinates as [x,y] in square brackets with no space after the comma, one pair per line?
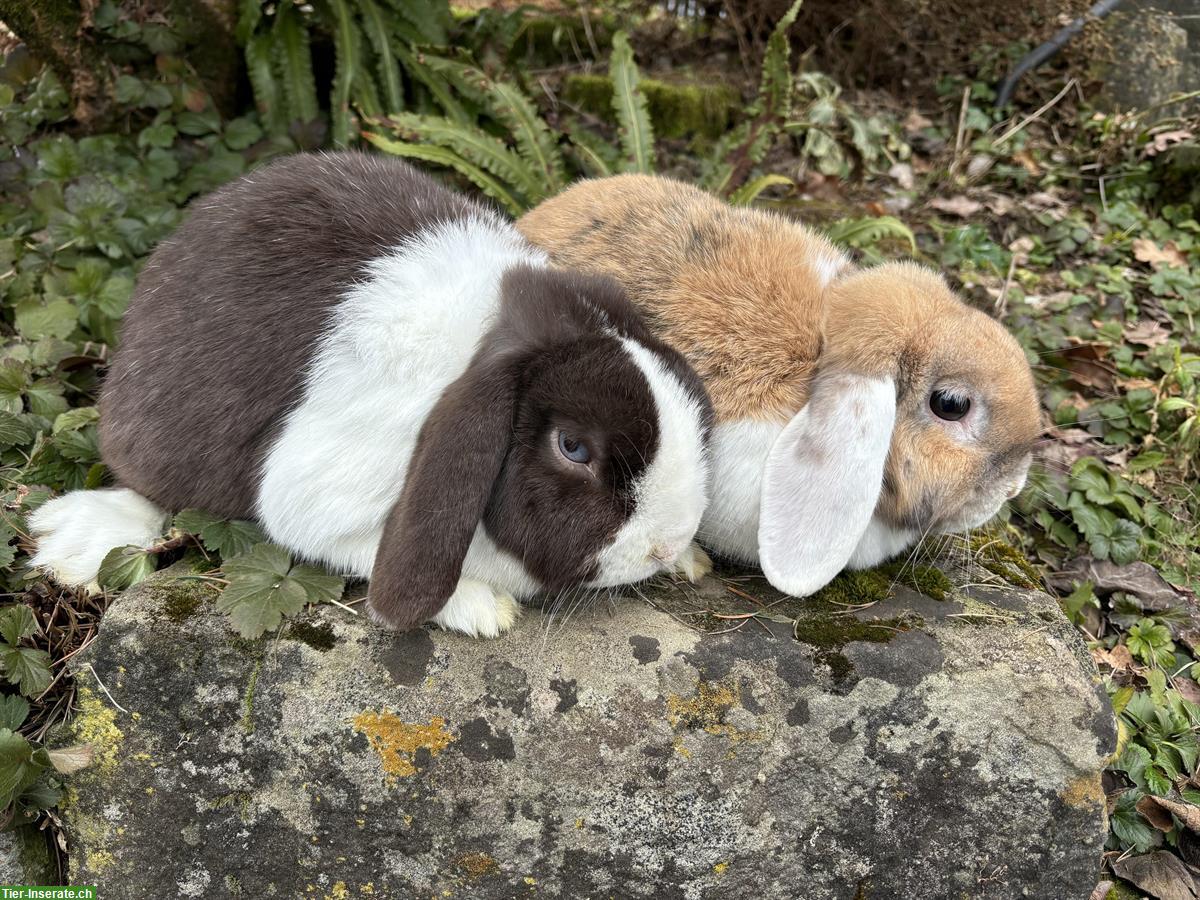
[758,303]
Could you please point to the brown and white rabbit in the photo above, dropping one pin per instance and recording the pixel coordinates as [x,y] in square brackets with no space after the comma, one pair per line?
[395,384]
[857,409]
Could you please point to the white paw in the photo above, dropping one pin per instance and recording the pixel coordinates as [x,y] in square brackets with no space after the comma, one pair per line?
[693,563]
[76,531]
[478,610]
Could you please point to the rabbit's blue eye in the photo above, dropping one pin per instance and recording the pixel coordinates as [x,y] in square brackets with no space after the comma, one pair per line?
[573,449]
[950,407]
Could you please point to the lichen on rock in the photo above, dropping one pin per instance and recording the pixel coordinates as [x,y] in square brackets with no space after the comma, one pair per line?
[685,741]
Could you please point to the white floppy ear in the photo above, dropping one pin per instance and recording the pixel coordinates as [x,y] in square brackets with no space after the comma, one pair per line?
[822,480]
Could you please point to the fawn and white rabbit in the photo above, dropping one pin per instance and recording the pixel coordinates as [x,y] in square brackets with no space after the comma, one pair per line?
[856,409]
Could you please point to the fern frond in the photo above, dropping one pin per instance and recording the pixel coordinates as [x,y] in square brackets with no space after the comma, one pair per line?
[470,142]
[633,117]
[535,142]
[451,160]
[414,64]
[249,15]
[348,51]
[749,192]
[467,79]
[775,90]
[260,67]
[381,40]
[295,61]
[429,19]
[868,231]
[597,157]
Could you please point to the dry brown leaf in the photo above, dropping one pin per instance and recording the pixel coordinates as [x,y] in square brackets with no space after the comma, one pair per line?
[1187,688]
[914,121]
[1025,158]
[960,206]
[903,173]
[1138,578]
[1147,333]
[1101,890]
[1087,366]
[1119,659]
[1160,874]
[1001,205]
[1168,255]
[1155,814]
[1187,813]
[1165,139]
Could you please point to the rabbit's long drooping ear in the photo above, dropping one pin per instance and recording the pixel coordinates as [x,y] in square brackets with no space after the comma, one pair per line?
[823,479]
[459,454]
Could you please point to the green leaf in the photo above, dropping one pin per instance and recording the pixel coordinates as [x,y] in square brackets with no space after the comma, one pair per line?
[471,143]
[13,382]
[389,70]
[15,430]
[27,668]
[228,537]
[414,64]
[748,192]
[448,158]
[74,419]
[629,104]
[19,767]
[536,144]
[264,586]
[123,567]
[870,230]
[348,53]
[268,97]
[295,60]
[241,133]
[45,398]
[14,710]
[775,90]
[597,157]
[54,319]
[17,622]
[1133,831]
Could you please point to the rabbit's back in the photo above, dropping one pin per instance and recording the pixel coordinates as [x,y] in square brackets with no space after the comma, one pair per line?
[227,313]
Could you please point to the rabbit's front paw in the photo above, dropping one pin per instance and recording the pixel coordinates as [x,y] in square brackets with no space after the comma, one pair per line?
[693,563]
[478,609]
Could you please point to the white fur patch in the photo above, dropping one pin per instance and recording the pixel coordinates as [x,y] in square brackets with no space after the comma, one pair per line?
[396,341]
[880,542]
[76,531]
[739,454]
[478,610]
[672,491]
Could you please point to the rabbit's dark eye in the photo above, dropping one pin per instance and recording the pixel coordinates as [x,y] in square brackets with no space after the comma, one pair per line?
[573,449]
[950,407]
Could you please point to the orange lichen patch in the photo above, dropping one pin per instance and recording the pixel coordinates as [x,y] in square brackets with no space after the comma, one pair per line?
[476,865]
[397,742]
[1084,791]
[704,710]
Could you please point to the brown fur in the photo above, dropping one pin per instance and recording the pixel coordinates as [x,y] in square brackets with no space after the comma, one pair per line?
[758,303]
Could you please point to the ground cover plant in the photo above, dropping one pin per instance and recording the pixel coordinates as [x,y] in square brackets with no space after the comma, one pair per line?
[1076,227]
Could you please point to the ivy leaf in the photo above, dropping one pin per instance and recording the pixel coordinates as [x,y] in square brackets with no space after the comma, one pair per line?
[123,567]
[27,668]
[14,710]
[17,622]
[228,537]
[19,768]
[264,586]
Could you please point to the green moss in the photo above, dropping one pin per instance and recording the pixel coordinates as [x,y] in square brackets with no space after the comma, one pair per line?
[676,110]
[248,698]
[318,635]
[826,623]
[1004,560]
[179,599]
[927,580]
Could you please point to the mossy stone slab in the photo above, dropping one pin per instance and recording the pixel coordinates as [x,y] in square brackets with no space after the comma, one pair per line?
[904,734]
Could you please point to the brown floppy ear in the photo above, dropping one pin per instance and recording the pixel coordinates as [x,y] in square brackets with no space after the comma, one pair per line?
[459,454]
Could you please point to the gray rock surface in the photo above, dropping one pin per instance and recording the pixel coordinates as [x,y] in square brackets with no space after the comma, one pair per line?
[1151,52]
[914,747]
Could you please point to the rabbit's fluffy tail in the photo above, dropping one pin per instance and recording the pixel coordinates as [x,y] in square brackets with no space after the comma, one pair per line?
[76,531]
